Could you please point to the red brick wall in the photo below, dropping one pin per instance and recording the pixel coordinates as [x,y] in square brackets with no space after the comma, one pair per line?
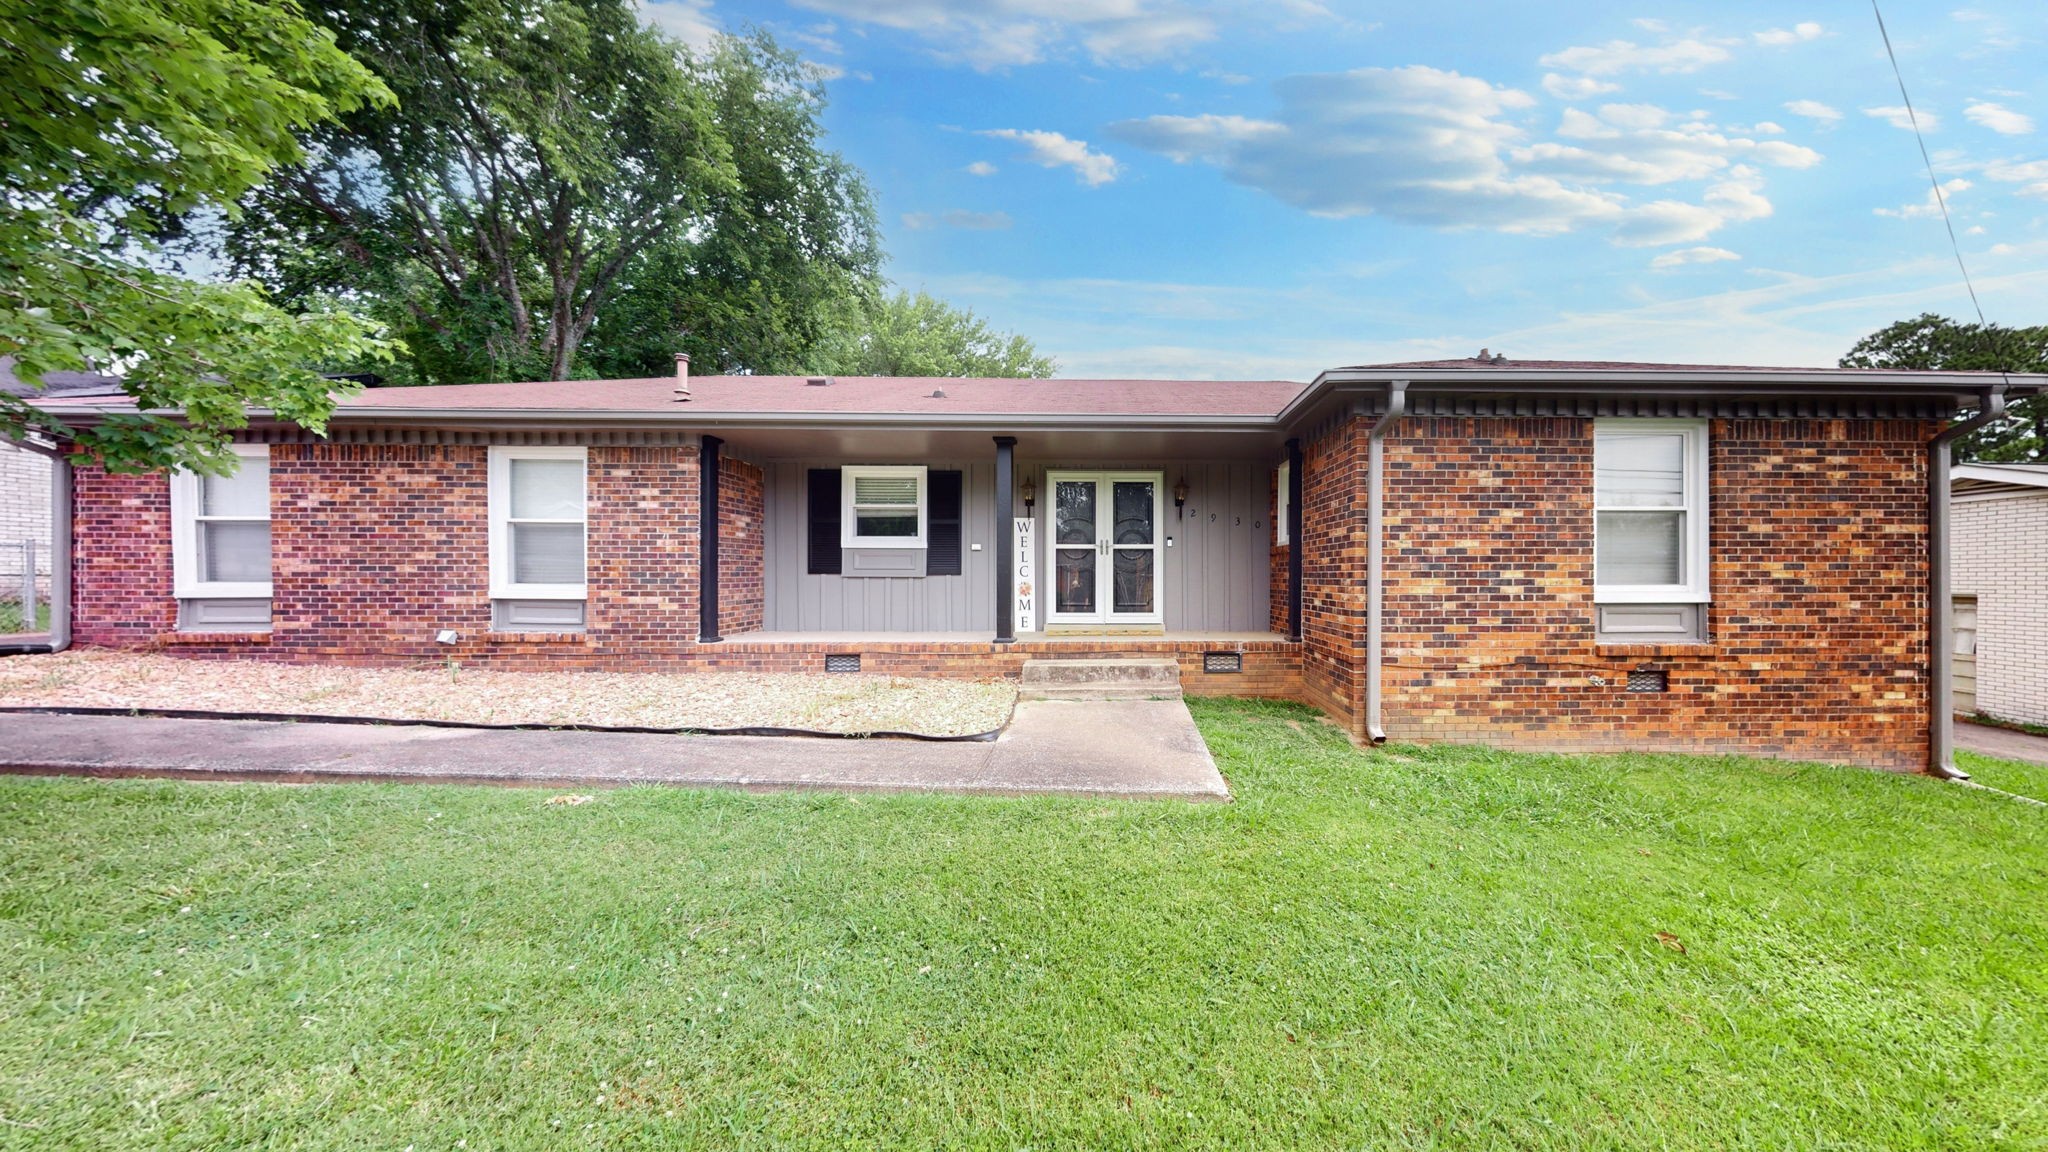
[1816,634]
[1333,570]
[121,559]
[1276,571]
[742,540]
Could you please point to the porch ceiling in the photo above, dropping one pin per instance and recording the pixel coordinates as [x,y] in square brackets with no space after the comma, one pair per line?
[1117,444]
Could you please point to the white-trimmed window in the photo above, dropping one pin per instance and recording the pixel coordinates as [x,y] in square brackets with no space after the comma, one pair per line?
[220,534]
[1650,512]
[882,507]
[1282,492]
[538,521]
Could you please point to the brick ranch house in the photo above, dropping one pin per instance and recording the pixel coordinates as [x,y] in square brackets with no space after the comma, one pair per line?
[1544,555]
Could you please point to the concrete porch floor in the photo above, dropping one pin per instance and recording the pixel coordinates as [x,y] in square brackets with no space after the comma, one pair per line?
[1138,749]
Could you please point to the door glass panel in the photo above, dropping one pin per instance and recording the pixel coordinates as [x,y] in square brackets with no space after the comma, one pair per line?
[1133,579]
[1133,504]
[1074,573]
[1074,512]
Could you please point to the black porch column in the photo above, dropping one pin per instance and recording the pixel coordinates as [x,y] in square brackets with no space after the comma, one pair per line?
[1006,539]
[707,542]
[1294,541]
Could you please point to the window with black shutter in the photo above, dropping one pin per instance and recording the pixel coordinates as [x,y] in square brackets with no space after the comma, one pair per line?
[824,522]
[942,517]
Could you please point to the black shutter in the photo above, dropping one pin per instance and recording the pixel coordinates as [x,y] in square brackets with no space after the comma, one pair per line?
[942,524]
[824,513]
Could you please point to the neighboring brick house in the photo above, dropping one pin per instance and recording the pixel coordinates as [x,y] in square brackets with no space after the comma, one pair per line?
[2000,585]
[25,483]
[1573,556]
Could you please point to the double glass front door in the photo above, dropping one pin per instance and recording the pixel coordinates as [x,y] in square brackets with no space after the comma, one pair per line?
[1105,548]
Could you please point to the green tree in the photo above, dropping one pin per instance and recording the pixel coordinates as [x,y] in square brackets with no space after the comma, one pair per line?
[1935,342]
[563,191]
[118,120]
[921,335]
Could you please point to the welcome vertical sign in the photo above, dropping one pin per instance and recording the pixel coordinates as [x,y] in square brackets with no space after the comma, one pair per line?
[1024,579]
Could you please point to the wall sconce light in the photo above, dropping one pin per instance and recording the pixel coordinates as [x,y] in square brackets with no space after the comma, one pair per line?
[1030,497]
[1180,498]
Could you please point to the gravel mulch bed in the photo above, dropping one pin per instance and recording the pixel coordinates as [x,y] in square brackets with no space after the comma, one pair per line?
[835,703]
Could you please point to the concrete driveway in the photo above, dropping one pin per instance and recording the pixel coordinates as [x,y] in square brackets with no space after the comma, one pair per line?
[1128,748]
[2003,743]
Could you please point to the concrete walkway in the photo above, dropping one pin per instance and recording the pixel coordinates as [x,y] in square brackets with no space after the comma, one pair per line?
[2004,743]
[1136,748]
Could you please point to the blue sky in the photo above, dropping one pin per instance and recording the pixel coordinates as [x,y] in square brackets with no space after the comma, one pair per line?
[1223,188]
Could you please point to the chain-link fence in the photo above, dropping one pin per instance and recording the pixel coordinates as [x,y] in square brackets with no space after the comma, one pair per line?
[23,606]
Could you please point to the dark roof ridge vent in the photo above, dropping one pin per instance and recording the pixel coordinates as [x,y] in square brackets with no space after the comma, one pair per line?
[817,381]
[1489,356]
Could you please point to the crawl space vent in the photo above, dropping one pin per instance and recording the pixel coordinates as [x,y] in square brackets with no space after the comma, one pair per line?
[1222,662]
[1648,680]
[842,662]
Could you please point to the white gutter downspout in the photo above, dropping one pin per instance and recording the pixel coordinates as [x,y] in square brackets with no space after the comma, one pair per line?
[1375,554]
[1941,719]
[60,544]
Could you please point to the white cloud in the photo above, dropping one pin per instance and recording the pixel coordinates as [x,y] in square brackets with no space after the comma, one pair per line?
[981,168]
[1718,94]
[957,218]
[1621,56]
[1813,110]
[1576,87]
[1798,33]
[1014,33]
[1897,116]
[687,20]
[1999,118]
[1931,206]
[2003,249]
[1052,150]
[2031,173]
[1438,148]
[1685,256]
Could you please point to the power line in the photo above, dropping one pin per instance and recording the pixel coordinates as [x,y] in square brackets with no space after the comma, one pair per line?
[1940,200]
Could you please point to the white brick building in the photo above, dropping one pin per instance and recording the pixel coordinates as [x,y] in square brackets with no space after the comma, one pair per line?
[2000,558]
[24,515]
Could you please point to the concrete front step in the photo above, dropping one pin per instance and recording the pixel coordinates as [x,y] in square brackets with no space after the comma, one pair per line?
[1100,679]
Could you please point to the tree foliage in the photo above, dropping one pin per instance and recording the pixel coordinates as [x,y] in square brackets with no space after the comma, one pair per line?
[920,335]
[563,191]
[119,119]
[1935,342]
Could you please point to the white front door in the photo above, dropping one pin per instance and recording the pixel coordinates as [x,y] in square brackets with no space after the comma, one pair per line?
[1104,548]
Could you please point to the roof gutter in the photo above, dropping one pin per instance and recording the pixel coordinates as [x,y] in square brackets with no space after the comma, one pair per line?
[1375,555]
[60,553]
[1941,719]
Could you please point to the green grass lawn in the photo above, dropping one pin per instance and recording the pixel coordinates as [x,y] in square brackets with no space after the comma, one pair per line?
[11,617]
[1451,948]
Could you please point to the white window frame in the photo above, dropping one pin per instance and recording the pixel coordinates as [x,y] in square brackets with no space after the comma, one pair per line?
[1281,491]
[500,485]
[185,517]
[849,524]
[1696,564]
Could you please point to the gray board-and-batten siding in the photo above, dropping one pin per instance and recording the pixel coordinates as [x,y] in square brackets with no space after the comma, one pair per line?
[1215,576]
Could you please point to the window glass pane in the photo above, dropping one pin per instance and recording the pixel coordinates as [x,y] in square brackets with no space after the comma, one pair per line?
[884,526]
[234,551]
[1639,548]
[1133,501]
[246,493]
[547,490]
[1639,470]
[888,491]
[547,553]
